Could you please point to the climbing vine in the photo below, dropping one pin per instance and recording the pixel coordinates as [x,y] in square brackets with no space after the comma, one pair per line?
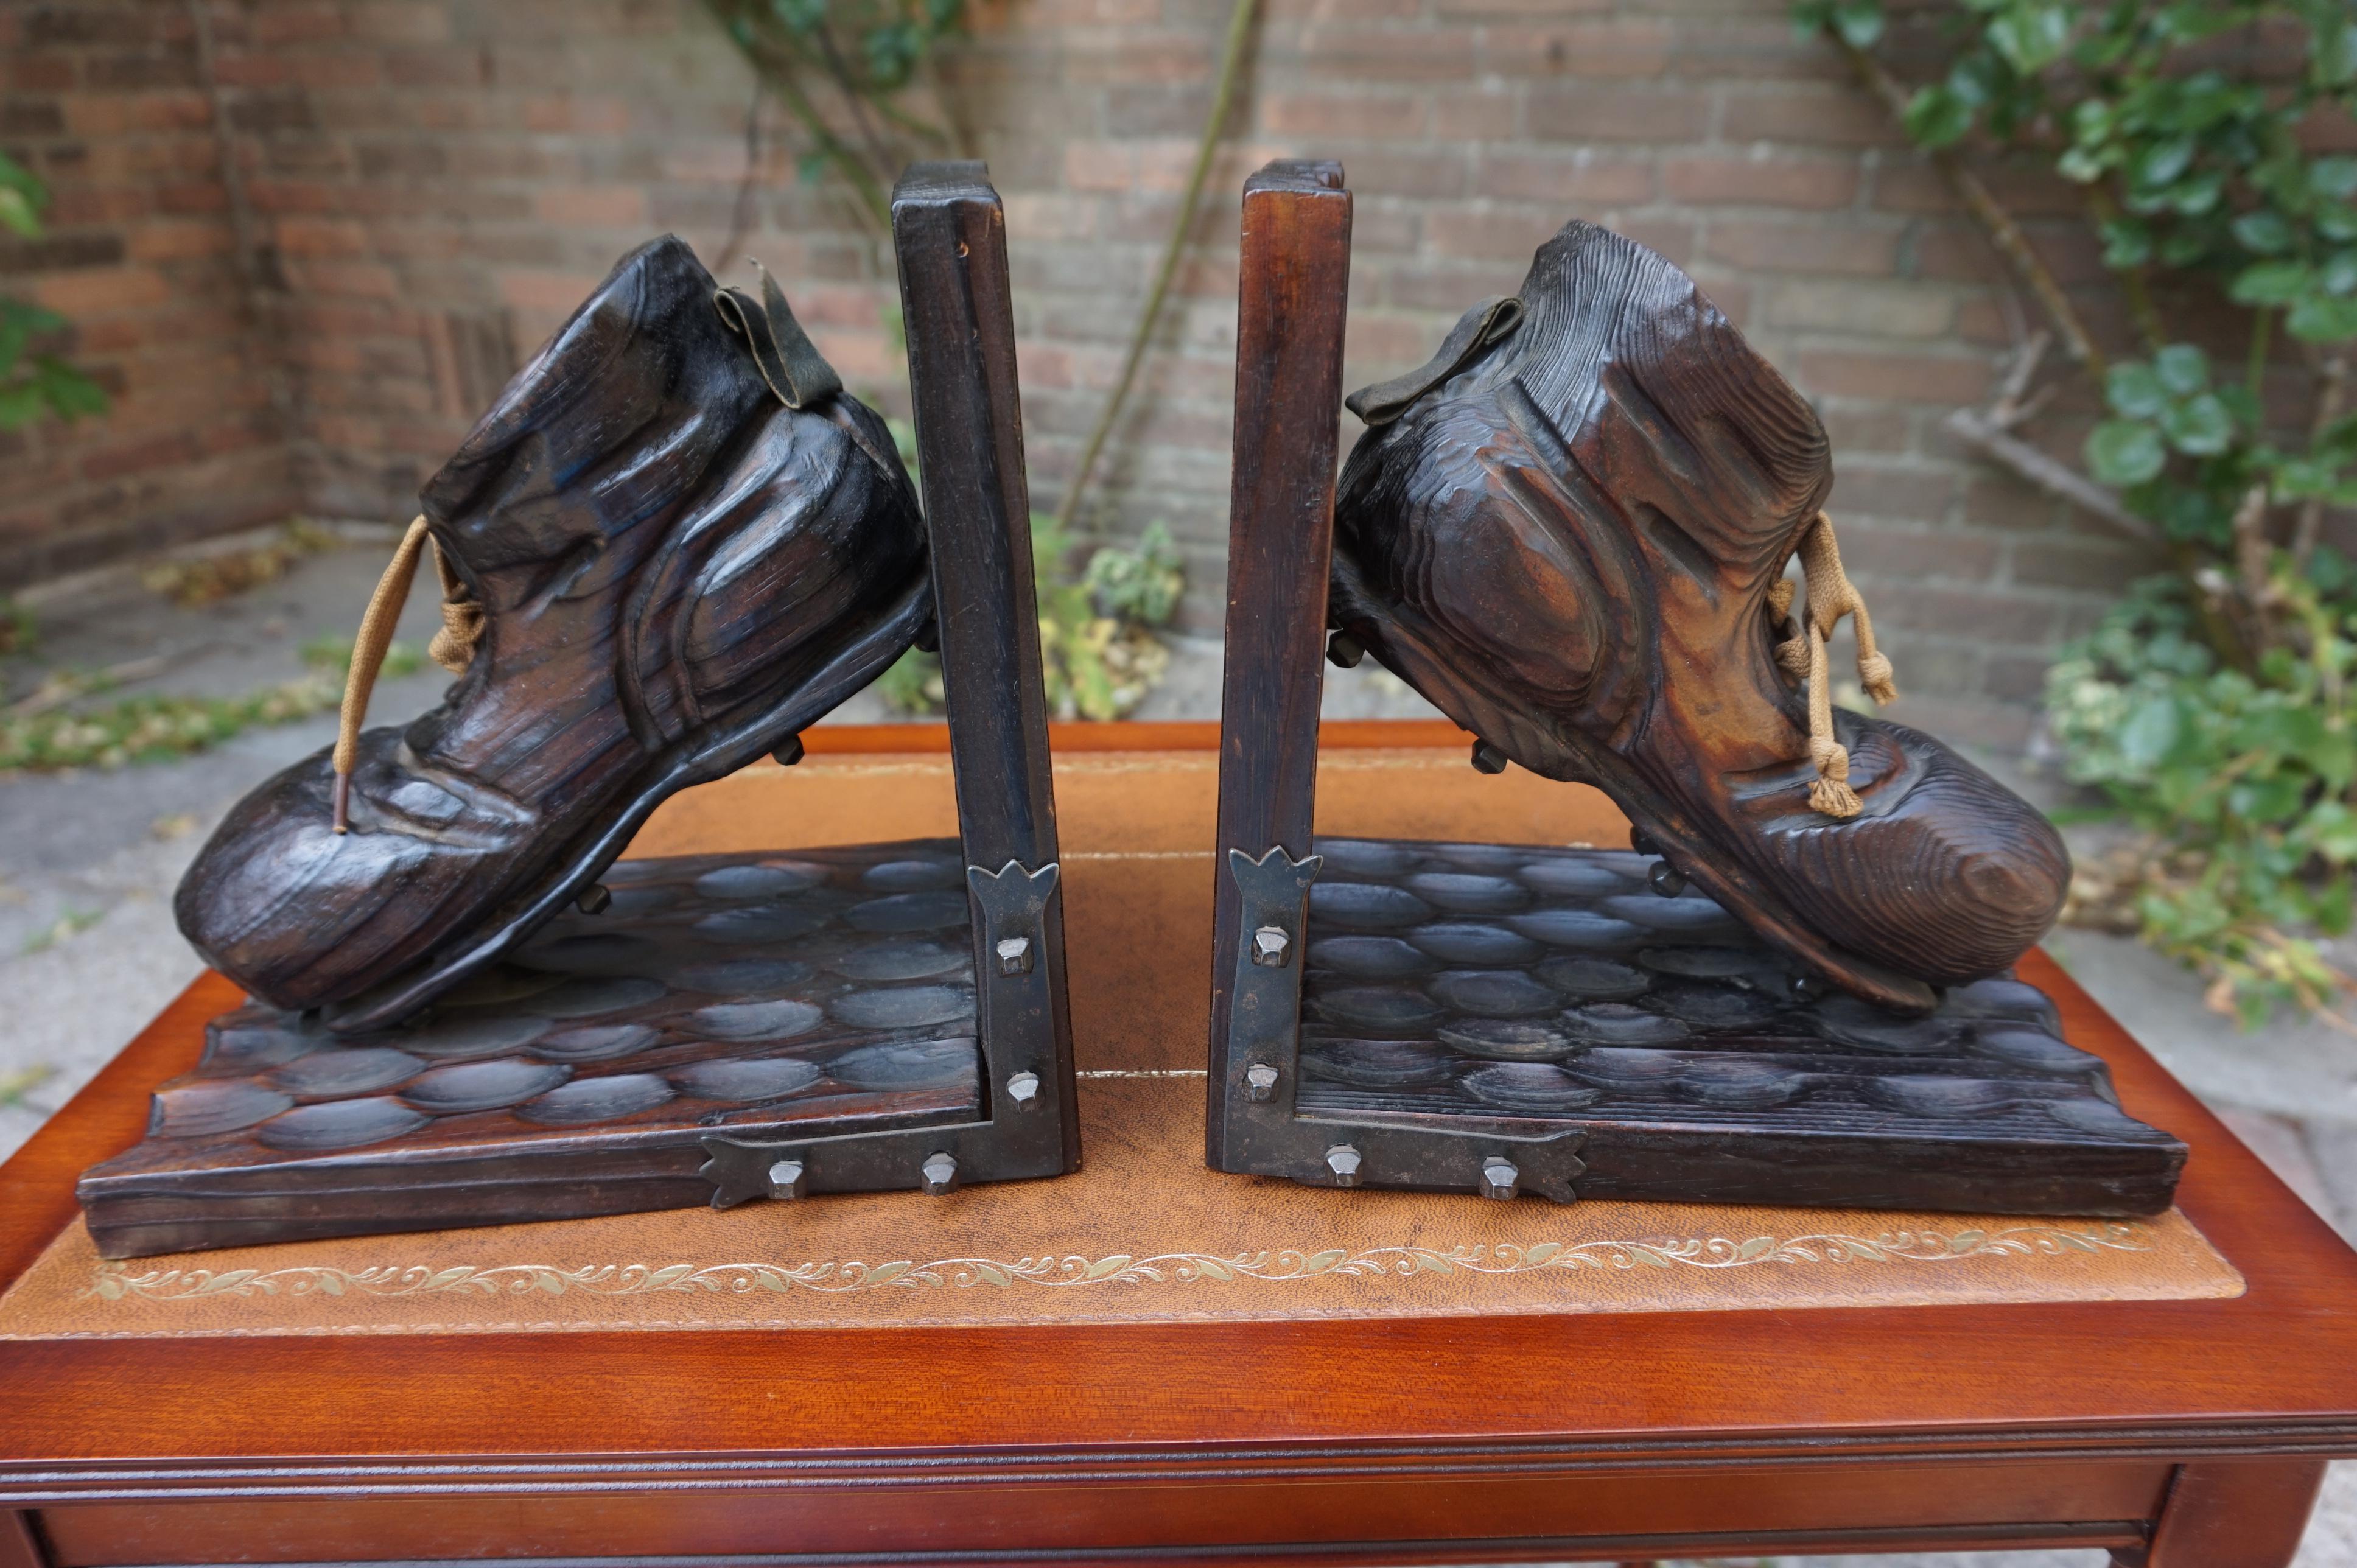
[2211,705]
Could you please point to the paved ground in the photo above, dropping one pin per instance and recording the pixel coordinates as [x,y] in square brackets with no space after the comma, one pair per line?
[88,952]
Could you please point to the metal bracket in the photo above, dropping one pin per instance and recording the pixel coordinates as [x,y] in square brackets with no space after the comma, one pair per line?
[1015,1015]
[1268,1135]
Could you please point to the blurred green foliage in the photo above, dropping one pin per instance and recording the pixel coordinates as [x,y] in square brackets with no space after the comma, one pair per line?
[2209,705]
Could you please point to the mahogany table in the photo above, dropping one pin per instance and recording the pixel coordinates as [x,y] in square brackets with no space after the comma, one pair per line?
[2177,1433]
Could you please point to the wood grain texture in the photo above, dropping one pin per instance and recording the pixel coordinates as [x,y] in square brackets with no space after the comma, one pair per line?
[949,234]
[826,992]
[2233,1514]
[1532,989]
[1568,545]
[19,1546]
[676,573]
[1477,1426]
[1292,293]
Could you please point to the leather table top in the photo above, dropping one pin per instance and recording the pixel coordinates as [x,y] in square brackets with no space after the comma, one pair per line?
[1144,1232]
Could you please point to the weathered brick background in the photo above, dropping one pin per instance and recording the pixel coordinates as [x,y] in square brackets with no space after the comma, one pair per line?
[426,187]
[109,104]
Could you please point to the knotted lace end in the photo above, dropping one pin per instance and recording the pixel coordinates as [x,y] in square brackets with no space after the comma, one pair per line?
[1801,656]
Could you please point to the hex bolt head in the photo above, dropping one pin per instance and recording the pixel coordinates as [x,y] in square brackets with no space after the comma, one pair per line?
[1642,841]
[941,1173]
[1343,651]
[1500,1179]
[1271,947]
[1666,879]
[592,900]
[788,752]
[1488,758]
[1023,1089]
[787,1179]
[1260,1083]
[1343,1161]
[1015,956]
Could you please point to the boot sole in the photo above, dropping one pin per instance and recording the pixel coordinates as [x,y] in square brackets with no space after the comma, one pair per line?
[1570,757]
[711,753]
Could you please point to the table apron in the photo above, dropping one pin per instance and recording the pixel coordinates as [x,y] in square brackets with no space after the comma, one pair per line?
[2089,1502]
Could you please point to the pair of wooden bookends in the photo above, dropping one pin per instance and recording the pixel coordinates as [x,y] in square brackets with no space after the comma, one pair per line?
[1493,1019]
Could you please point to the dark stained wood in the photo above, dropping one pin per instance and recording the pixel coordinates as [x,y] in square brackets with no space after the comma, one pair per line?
[1536,1515]
[2228,1513]
[1533,989]
[948,232]
[1293,288]
[2055,1426]
[1569,542]
[645,632]
[19,1546]
[718,993]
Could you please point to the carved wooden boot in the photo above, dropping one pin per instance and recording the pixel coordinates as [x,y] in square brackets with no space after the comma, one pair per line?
[672,544]
[1570,533]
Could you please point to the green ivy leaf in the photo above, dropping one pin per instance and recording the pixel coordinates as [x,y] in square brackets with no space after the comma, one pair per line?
[2134,390]
[2339,273]
[2263,231]
[1860,22]
[2271,282]
[2199,426]
[1937,117]
[2031,37]
[2199,195]
[2080,166]
[2158,164]
[2126,243]
[2323,319]
[2150,732]
[2334,179]
[2122,452]
[2184,368]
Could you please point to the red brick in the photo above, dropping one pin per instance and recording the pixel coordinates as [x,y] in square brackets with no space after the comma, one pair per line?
[1574,175]
[1503,235]
[1363,53]
[1484,10]
[1585,112]
[1809,247]
[1483,113]
[1902,378]
[1329,114]
[1623,48]
[1760,181]
[591,207]
[1841,116]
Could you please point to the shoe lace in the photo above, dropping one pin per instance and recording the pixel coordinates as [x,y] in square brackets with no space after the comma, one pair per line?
[453,647]
[1801,656]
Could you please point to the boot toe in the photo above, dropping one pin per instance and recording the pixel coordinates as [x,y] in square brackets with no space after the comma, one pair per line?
[1947,875]
[297,914]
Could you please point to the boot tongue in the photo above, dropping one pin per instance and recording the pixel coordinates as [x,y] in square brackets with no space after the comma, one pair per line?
[610,426]
[1663,400]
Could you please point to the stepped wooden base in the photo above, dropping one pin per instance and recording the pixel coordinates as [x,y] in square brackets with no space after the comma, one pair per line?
[1546,991]
[816,994]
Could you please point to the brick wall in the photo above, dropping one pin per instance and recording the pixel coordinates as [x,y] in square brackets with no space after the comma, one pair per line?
[107,104]
[433,184]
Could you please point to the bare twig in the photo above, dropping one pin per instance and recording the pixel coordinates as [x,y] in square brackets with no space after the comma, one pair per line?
[2056,477]
[60,689]
[2013,406]
[1240,21]
[741,217]
[2003,231]
[2328,401]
